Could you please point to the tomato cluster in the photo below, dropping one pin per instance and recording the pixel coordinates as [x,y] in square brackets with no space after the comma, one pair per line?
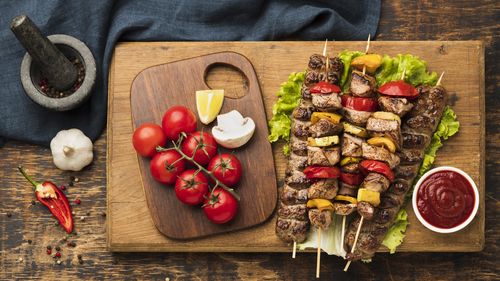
[192,165]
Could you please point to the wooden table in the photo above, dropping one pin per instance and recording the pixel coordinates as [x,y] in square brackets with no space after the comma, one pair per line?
[26,229]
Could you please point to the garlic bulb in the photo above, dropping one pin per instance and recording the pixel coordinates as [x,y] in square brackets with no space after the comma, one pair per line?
[71,150]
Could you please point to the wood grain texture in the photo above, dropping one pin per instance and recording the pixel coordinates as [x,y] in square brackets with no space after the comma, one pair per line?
[400,20]
[156,89]
[273,63]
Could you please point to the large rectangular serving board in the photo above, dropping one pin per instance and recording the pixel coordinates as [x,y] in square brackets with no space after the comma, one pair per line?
[130,226]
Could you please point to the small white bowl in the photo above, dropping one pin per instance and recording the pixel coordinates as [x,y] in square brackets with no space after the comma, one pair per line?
[458,227]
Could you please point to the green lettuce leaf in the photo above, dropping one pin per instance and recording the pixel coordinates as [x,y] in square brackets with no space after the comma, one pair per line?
[288,99]
[396,233]
[415,69]
[346,57]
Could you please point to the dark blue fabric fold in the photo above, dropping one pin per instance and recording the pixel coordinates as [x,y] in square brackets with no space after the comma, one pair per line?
[101,23]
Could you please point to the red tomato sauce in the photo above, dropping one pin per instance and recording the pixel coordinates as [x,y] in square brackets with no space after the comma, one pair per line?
[445,199]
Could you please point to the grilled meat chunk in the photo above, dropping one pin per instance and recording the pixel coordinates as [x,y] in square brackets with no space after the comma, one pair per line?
[303,111]
[344,209]
[362,85]
[407,172]
[398,106]
[382,125]
[301,129]
[350,168]
[323,156]
[376,182]
[312,77]
[293,212]
[356,117]
[415,140]
[296,162]
[348,190]
[366,210]
[323,189]
[335,70]
[351,146]
[298,146]
[320,219]
[291,196]
[400,186]
[316,62]
[430,103]
[296,179]
[324,128]
[305,93]
[326,102]
[380,154]
[411,156]
[291,230]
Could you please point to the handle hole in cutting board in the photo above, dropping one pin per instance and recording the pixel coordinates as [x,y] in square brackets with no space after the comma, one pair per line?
[227,77]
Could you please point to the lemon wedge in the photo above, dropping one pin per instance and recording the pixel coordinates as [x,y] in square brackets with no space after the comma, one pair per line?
[209,104]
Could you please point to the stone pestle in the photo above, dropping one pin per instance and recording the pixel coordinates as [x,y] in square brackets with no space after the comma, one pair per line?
[53,64]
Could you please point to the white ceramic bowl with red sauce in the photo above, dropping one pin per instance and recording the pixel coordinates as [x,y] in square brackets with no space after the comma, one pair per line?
[437,196]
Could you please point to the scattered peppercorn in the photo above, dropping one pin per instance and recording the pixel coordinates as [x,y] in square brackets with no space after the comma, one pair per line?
[20,259]
[58,262]
[49,251]
[58,248]
[87,214]
[50,91]
[82,218]
[9,215]
[29,241]
[63,187]
[71,244]
[79,256]
[76,179]
[78,201]
[72,178]
[73,213]
[71,183]
[49,247]
[103,214]
[33,202]
[80,261]
[58,255]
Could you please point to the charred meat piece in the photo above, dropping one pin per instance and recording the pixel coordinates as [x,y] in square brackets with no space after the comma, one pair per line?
[382,125]
[352,168]
[305,93]
[298,146]
[303,111]
[348,190]
[335,70]
[366,210]
[326,102]
[421,123]
[398,106]
[320,219]
[407,172]
[362,85]
[316,61]
[301,129]
[291,230]
[344,209]
[390,200]
[415,140]
[296,162]
[293,212]
[376,182]
[385,216]
[312,77]
[430,103]
[297,179]
[411,156]
[400,186]
[323,189]
[324,128]
[351,146]
[380,154]
[323,156]
[356,117]
[291,196]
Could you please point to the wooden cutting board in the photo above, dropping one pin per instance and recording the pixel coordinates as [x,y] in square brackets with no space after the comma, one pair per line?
[130,226]
[156,89]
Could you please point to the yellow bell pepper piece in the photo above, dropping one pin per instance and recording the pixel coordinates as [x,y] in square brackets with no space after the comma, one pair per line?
[350,160]
[383,142]
[370,196]
[386,115]
[323,141]
[355,130]
[370,61]
[332,117]
[320,204]
[346,198]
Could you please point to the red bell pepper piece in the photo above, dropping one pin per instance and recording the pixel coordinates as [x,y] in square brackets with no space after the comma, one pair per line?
[54,199]
[320,172]
[375,166]
[351,178]
[323,87]
[360,104]
[399,89]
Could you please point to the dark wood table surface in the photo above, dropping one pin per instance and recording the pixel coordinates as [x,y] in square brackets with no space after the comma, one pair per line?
[26,229]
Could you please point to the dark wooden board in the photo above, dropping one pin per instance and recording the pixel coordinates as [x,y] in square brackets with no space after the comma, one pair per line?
[156,89]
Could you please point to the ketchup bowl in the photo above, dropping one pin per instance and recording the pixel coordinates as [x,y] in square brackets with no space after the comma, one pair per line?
[445,199]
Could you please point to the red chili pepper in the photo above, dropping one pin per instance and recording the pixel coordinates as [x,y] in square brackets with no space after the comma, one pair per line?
[358,103]
[375,166]
[351,178]
[54,199]
[319,172]
[398,89]
[324,87]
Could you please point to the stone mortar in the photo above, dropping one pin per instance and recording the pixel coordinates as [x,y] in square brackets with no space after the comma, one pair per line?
[71,47]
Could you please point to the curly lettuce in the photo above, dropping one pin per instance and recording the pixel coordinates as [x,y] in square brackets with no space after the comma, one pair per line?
[394,237]
[288,99]
[415,70]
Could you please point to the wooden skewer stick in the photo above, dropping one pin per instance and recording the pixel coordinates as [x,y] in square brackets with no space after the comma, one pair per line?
[343,231]
[318,256]
[294,251]
[368,43]
[355,242]
[439,80]
[324,48]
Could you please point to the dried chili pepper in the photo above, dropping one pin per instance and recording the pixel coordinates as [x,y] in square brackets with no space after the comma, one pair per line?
[54,199]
